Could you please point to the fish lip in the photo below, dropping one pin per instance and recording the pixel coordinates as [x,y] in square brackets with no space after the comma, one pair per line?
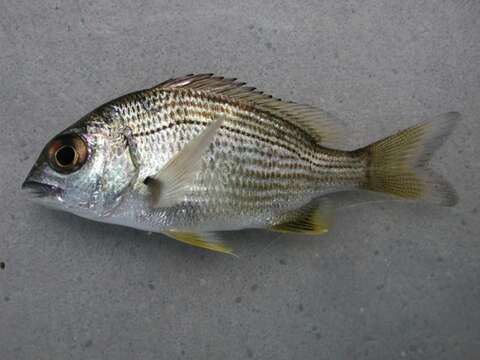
[40,189]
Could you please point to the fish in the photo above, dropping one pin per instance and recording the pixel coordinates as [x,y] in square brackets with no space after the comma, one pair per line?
[201,154]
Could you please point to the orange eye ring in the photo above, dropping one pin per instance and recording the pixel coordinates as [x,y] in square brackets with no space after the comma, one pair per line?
[67,153]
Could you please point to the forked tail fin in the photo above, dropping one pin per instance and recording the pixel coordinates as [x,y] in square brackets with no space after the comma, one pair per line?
[397,165]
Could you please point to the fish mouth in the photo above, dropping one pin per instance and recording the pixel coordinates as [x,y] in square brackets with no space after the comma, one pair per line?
[41,190]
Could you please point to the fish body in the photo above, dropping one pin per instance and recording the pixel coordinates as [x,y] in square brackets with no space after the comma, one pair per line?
[201,154]
[246,176]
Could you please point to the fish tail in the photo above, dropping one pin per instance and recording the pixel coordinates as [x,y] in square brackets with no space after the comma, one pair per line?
[398,164]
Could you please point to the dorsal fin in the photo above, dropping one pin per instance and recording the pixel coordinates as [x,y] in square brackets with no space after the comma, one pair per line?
[323,126]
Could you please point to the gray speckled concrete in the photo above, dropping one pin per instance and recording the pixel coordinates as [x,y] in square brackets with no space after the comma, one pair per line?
[391,281]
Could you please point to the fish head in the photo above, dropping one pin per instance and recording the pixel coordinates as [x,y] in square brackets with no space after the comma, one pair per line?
[86,169]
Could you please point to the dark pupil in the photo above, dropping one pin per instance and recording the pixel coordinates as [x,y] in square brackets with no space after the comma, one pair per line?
[65,156]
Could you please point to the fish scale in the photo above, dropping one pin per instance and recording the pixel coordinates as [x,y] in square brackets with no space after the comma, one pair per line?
[280,152]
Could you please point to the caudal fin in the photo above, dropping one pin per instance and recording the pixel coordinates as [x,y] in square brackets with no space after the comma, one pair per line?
[397,165]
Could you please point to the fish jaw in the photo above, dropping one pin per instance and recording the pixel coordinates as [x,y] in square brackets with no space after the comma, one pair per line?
[40,190]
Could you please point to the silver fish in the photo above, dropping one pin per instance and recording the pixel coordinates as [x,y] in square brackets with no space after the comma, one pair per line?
[200,154]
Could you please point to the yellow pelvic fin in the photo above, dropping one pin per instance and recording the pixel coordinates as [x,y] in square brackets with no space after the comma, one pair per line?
[207,240]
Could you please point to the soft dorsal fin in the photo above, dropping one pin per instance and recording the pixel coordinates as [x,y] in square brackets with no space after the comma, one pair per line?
[314,218]
[323,126]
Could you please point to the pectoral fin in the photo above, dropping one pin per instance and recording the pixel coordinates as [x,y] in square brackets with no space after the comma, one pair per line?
[170,185]
[207,240]
[313,219]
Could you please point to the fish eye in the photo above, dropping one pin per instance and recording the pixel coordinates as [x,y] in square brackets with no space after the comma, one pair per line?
[66,156]
[67,153]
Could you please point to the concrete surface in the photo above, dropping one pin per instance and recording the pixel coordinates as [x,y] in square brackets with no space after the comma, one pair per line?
[391,281]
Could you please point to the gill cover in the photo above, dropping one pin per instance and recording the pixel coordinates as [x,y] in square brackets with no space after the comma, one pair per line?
[117,172]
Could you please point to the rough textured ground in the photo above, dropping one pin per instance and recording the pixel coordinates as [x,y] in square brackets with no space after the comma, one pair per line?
[391,281]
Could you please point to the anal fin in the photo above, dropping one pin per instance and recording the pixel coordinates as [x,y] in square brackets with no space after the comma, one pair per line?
[314,218]
[206,240]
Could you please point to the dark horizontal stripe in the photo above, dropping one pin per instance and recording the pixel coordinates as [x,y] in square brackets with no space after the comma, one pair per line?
[312,161]
[186,98]
[186,106]
[320,160]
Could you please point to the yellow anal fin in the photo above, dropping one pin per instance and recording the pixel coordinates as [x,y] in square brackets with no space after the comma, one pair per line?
[203,240]
[311,219]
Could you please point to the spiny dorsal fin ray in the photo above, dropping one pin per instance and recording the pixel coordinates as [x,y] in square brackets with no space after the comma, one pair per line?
[314,218]
[323,126]
[206,240]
